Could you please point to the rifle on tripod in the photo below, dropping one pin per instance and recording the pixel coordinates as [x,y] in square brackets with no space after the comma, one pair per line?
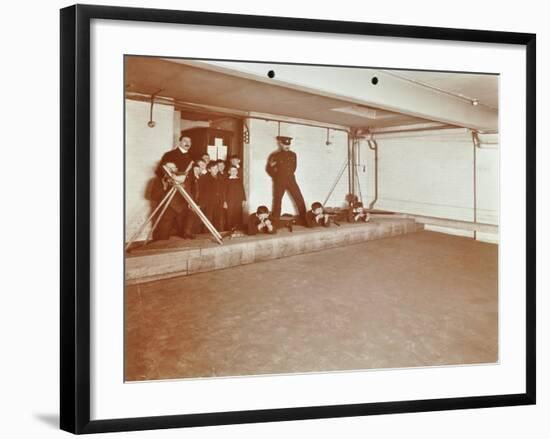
[165,202]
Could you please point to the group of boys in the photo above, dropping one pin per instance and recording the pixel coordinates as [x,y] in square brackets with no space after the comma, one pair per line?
[263,222]
[215,187]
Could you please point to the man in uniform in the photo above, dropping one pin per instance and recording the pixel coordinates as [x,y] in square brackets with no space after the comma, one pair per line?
[281,166]
[178,217]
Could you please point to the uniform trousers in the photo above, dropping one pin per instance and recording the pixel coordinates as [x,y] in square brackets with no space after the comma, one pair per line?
[174,222]
[280,186]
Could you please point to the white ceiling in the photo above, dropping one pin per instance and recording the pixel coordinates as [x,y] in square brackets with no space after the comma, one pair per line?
[483,87]
[189,82]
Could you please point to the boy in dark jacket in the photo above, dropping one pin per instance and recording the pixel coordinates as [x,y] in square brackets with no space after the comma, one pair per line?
[235,199]
[211,196]
[235,161]
[316,216]
[357,213]
[221,168]
[261,222]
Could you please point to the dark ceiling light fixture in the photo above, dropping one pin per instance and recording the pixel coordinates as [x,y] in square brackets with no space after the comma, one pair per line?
[152,123]
[328,142]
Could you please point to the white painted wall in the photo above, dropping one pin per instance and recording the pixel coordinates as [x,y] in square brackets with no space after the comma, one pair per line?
[432,174]
[318,164]
[427,173]
[144,147]
[177,123]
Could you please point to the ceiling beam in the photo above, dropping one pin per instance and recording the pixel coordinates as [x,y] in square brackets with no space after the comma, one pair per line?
[390,92]
[411,127]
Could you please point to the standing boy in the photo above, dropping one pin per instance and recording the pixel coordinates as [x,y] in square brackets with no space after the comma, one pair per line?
[223,177]
[235,199]
[221,168]
[212,196]
[235,162]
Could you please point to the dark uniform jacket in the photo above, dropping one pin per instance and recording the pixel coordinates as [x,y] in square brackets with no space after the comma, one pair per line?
[253,222]
[285,165]
[195,184]
[211,191]
[311,220]
[161,186]
[234,191]
[175,156]
[354,211]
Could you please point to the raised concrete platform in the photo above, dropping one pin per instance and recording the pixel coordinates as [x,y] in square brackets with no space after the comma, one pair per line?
[176,257]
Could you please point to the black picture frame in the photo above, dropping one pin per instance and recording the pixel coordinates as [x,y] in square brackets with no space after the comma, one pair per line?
[75,217]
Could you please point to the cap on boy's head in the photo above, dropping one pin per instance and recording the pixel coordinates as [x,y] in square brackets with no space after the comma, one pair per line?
[316,205]
[351,198]
[211,164]
[262,209]
[234,156]
[284,140]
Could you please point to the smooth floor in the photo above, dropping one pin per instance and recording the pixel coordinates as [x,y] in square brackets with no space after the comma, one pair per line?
[416,300]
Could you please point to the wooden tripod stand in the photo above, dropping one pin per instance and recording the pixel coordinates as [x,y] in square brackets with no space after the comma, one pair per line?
[163,205]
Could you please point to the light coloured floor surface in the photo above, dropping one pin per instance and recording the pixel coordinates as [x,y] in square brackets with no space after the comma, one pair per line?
[420,299]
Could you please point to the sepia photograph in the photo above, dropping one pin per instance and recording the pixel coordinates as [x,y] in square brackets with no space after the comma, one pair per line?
[298,218]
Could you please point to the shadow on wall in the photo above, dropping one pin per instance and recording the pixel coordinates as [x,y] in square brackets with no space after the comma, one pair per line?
[150,194]
[150,188]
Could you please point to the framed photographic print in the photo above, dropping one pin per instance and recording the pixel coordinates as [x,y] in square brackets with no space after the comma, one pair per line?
[275,218]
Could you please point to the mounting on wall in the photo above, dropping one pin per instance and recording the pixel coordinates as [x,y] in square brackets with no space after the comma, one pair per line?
[152,123]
